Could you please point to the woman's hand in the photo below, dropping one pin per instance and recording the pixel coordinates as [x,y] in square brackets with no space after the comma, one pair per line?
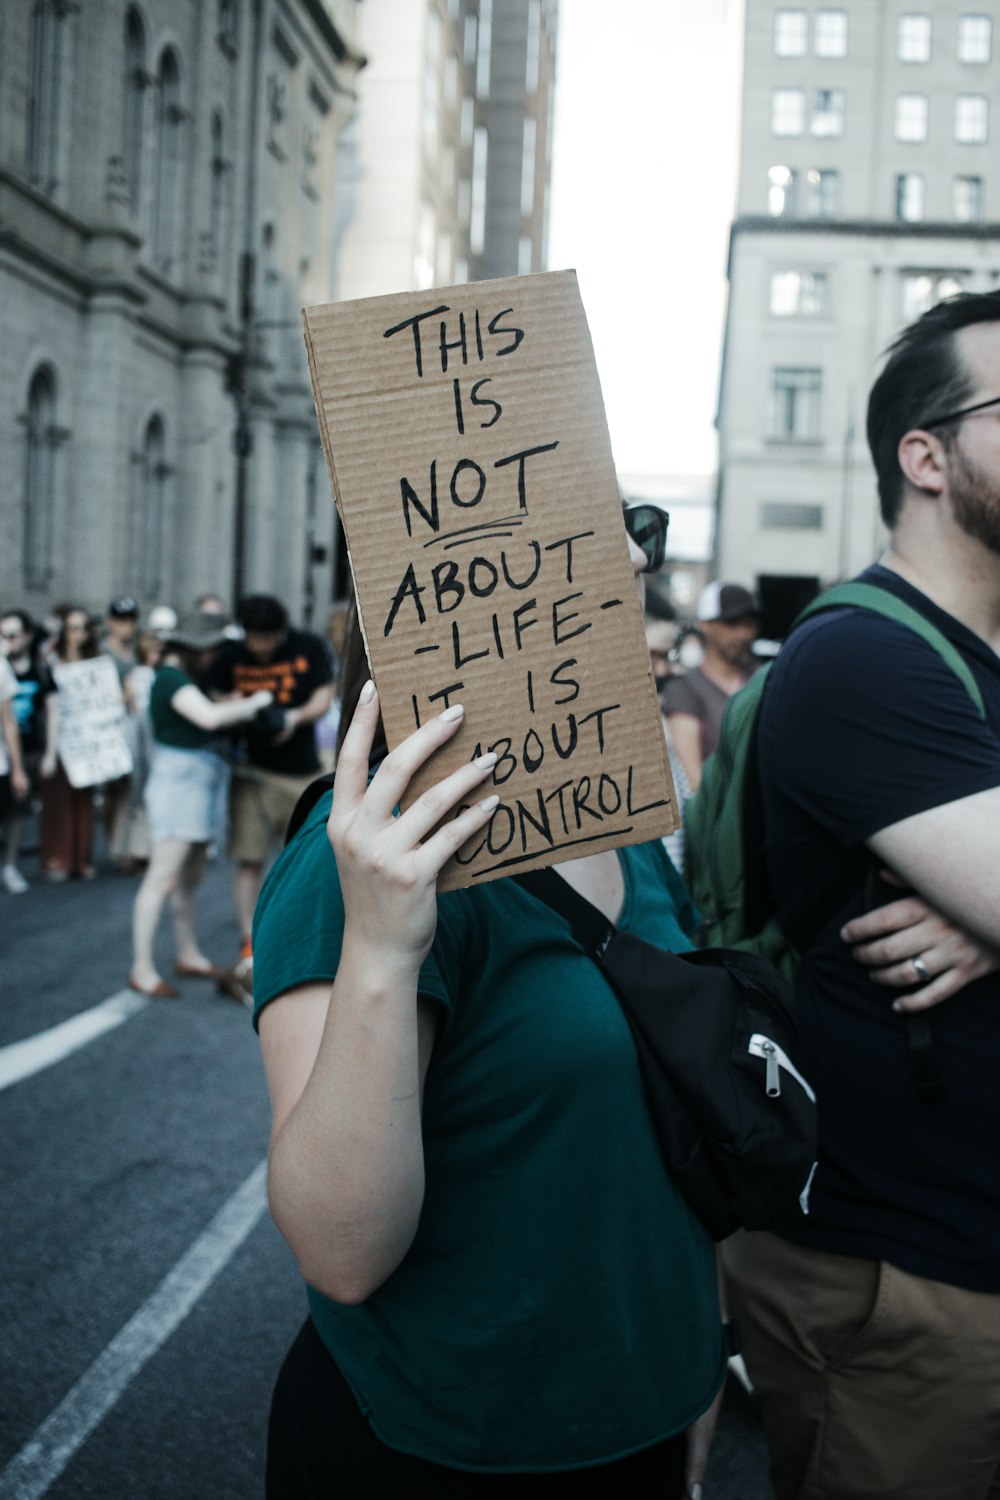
[48,766]
[263,698]
[888,939]
[388,865]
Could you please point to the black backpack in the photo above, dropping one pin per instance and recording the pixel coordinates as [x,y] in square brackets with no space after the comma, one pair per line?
[715,1033]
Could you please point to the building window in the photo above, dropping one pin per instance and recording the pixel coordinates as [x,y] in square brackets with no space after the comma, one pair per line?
[911,117]
[788,111]
[467,120]
[133,113]
[470,42]
[39,479]
[477,207]
[484,48]
[424,260]
[971,119]
[913,39]
[166,164]
[780,515]
[226,23]
[923,289]
[151,508]
[795,403]
[967,199]
[830,33]
[791,33]
[822,193]
[432,67]
[781,185]
[910,193]
[800,294]
[451,80]
[975,39]
[220,199]
[528,151]
[45,58]
[828,112]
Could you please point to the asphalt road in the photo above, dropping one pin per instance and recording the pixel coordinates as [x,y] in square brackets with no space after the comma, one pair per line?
[146,1298]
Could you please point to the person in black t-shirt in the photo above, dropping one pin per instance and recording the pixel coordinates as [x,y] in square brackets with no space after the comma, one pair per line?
[871,1329]
[30,706]
[281,758]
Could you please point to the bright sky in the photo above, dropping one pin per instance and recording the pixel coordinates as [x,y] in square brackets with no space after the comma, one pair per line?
[643,189]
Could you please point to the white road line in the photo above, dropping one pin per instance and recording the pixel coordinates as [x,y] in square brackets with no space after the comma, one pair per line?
[44,1457]
[19,1060]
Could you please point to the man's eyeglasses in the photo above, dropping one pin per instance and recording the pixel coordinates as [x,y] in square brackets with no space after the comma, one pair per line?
[965,411]
[647,526]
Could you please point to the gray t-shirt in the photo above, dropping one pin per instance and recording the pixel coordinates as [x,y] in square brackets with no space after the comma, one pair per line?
[699,696]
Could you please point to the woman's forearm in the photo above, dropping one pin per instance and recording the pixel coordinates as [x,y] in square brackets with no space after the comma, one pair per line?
[346,1176]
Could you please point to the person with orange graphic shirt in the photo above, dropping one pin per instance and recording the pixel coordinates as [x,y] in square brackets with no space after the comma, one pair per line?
[280,745]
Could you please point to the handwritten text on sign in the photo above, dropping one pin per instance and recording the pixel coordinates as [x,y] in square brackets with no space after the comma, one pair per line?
[93,724]
[469,455]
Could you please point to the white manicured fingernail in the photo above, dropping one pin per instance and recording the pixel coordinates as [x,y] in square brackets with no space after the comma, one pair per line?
[367,692]
[485,761]
[489,803]
[454,712]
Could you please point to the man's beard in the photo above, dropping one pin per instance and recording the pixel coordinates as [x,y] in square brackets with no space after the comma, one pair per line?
[975,502]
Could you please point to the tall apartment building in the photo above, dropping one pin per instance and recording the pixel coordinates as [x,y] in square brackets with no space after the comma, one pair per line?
[166,172]
[446,170]
[867,192]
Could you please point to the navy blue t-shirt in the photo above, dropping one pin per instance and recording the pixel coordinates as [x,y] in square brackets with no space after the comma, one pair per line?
[862,725]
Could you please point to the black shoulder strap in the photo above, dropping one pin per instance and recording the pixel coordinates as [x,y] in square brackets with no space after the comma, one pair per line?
[591,928]
[307,801]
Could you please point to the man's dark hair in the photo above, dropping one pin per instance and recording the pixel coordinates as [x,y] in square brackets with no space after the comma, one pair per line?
[21,615]
[923,377]
[263,613]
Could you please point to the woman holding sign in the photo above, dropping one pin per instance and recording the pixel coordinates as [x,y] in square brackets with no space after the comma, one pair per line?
[507,1294]
[183,792]
[66,829]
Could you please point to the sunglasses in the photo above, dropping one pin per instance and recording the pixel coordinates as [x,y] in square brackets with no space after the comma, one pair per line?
[965,411]
[647,526]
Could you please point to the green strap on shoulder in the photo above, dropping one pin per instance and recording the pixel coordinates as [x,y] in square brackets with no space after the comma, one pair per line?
[881,602]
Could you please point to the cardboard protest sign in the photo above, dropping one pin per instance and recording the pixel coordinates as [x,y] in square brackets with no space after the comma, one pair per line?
[469,456]
[93,724]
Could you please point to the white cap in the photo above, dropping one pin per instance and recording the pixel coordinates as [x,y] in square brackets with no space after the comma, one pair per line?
[162,619]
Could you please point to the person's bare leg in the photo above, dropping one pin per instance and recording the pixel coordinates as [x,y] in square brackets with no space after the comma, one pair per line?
[182,908]
[246,888]
[159,881]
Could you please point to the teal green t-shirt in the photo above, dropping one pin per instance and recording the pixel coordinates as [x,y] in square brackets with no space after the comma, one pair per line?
[170,727]
[557,1307]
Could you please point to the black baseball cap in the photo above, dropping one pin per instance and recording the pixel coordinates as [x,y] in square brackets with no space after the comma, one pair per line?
[123,608]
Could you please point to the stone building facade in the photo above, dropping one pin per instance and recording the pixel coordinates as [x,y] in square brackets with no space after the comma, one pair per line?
[868,190]
[166,172]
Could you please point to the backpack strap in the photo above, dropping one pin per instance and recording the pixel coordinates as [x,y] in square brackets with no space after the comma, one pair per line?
[591,928]
[881,602]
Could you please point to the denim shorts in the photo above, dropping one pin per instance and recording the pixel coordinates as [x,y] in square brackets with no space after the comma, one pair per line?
[184,792]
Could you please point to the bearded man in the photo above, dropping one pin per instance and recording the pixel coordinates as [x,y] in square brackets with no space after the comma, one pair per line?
[872,1331]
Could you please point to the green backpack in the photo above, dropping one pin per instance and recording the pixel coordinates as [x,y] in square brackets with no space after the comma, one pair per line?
[723,822]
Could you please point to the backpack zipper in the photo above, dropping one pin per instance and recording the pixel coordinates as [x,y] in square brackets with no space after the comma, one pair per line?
[776,1058]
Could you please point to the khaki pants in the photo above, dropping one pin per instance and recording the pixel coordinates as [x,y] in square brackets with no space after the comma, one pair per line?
[262,803]
[873,1384]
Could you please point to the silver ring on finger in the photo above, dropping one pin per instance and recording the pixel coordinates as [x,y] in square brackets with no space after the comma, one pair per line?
[920,968]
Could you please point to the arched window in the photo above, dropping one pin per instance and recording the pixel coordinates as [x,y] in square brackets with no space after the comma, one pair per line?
[44,92]
[166,164]
[151,507]
[220,202]
[133,110]
[39,478]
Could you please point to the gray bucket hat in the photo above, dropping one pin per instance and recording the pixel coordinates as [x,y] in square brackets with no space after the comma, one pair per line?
[199,631]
